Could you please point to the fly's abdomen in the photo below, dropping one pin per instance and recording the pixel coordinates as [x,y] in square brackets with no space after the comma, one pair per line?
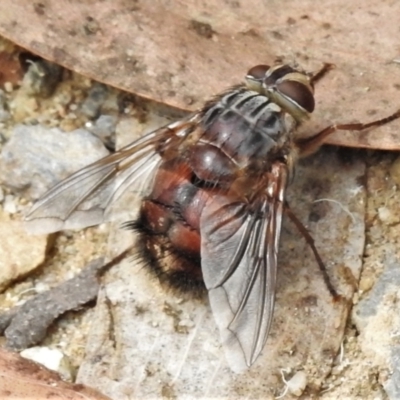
[169,226]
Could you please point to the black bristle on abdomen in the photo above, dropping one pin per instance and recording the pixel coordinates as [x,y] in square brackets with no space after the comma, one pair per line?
[175,270]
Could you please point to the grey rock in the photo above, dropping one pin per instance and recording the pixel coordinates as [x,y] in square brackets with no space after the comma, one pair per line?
[29,323]
[36,157]
[377,317]
[392,386]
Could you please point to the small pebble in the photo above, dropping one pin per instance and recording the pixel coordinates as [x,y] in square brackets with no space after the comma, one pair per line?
[9,206]
[52,359]
[95,99]
[41,287]
[366,283]
[104,128]
[297,383]
[8,86]
[386,215]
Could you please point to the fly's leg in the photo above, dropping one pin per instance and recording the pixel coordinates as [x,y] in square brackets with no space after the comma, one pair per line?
[310,145]
[310,241]
[321,73]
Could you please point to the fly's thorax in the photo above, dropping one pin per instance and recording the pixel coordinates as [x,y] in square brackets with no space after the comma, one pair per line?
[246,126]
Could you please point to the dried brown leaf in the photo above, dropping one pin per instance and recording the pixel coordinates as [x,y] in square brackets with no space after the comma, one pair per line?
[24,379]
[180,53]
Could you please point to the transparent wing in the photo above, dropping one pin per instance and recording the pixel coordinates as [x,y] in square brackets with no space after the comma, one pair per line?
[85,198]
[239,261]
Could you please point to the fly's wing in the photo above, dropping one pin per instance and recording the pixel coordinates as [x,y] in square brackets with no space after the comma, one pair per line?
[84,198]
[239,262]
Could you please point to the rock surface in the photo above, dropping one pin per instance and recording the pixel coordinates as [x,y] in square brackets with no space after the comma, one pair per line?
[20,253]
[36,157]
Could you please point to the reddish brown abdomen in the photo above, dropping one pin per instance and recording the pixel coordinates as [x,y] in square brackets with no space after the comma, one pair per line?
[169,224]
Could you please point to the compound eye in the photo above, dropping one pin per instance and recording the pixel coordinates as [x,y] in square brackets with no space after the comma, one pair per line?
[258,72]
[255,77]
[278,72]
[298,93]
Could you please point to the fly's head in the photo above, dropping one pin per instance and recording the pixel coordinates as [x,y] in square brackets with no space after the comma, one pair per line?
[289,88]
